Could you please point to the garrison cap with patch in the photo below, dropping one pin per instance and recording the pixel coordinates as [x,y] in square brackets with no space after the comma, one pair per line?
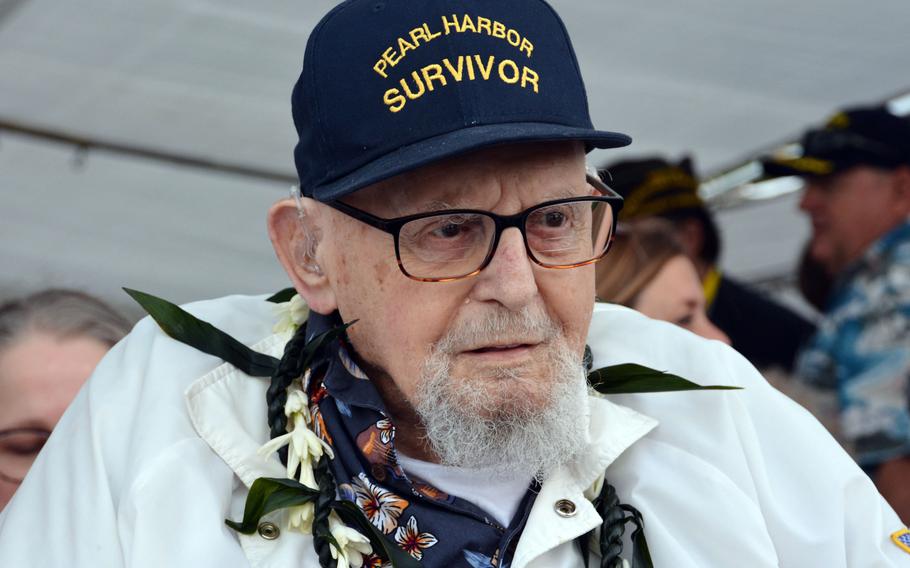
[653,187]
[870,136]
[388,86]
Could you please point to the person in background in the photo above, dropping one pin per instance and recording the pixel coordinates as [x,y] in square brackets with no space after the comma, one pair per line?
[648,270]
[765,332]
[50,342]
[856,170]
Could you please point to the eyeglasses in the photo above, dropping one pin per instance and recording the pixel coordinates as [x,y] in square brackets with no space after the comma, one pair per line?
[18,449]
[442,246]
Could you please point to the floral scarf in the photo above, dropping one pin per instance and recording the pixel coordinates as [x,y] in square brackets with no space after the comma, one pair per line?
[433,527]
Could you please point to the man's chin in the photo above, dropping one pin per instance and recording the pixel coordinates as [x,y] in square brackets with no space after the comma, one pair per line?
[506,390]
[820,250]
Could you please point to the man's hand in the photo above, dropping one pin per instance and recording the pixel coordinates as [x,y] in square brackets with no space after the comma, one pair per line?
[893,482]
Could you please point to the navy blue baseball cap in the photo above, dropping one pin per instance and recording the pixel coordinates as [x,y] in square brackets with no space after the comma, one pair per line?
[861,136]
[388,86]
[654,187]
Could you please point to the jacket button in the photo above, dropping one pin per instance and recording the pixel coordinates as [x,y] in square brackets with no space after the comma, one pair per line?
[565,508]
[269,531]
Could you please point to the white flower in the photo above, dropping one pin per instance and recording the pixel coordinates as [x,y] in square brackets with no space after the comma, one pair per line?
[304,450]
[352,546]
[291,314]
[593,491]
[301,518]
[297,402]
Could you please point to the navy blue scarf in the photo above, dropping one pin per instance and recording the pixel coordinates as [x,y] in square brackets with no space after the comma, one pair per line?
[436,528]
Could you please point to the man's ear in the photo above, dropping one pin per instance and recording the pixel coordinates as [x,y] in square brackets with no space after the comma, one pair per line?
[296,235]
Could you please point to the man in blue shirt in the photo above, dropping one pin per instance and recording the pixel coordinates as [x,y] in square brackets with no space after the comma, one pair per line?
[857,174]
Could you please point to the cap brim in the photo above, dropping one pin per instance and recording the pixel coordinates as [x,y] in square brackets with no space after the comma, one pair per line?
[805,166]
[459,142]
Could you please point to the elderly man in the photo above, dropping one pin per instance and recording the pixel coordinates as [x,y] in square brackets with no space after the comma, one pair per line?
[857,173]
[447,219]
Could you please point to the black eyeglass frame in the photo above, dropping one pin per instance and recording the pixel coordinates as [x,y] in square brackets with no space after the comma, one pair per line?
[501,223]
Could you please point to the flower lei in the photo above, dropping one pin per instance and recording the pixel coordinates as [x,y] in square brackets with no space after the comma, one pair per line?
[305,449]
[297,493]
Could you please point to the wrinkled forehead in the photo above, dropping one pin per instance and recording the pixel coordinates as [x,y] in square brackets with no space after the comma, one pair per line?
[523,174]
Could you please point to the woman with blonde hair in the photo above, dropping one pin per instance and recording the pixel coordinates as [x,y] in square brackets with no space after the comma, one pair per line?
[647,270]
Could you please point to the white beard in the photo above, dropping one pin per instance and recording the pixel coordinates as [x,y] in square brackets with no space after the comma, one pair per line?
[510,424]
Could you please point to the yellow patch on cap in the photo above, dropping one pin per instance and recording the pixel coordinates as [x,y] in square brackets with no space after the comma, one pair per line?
[839,120]
[902,539]
[811,166]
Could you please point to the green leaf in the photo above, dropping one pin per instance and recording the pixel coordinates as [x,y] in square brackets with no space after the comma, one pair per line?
[641,556]
[630,378]
[282,296]
[327,535]
[314,345]
[270,494]
[187,328]
[353,516]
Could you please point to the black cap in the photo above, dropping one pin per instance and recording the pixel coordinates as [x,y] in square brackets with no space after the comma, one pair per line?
[869,136]
[653,187]
[392,85]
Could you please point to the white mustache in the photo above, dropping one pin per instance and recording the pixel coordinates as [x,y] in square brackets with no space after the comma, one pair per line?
[502,327]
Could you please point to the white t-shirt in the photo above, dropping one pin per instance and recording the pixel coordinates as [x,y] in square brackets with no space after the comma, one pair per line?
[500,496]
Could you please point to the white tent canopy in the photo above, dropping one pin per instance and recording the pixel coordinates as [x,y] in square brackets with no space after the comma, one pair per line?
[211,80]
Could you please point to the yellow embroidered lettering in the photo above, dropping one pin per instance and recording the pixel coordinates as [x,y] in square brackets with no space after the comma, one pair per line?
[418,34]
[455,73]
[433,72]
[526,46]
[513,37]
[466,23]
[380,68]
[529,76]
[485,73]
[430,34]
[511,78]
[404,46]
[390,56]
[499,30]
[417,81]
[394,100]
[470,64]
[483,25]
[448,26]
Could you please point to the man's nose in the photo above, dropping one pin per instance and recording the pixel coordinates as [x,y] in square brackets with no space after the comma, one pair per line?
[509,279]
[811,198]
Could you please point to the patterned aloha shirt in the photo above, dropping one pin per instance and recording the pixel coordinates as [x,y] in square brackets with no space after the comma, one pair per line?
[861,351]
[433,527]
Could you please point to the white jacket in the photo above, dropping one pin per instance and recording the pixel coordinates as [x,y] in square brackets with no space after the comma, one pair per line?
[160,447]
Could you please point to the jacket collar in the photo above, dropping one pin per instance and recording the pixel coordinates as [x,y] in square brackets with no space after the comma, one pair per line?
[613,429]
[220,408]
